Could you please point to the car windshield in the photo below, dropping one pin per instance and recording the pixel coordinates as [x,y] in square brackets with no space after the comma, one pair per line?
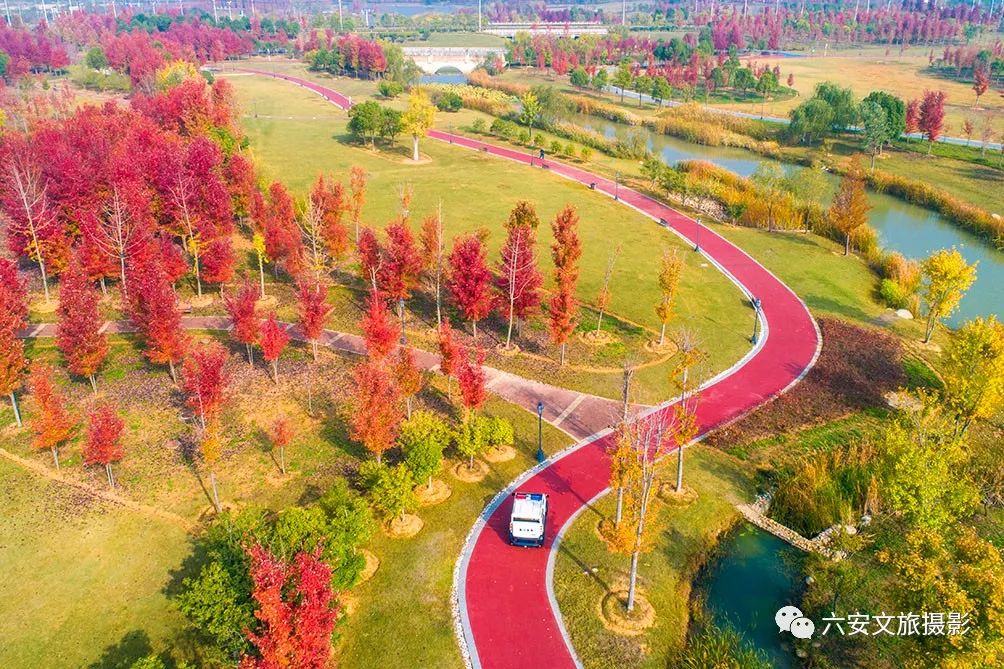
[525,520]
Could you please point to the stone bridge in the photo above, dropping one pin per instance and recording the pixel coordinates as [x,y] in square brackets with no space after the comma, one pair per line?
[434,60]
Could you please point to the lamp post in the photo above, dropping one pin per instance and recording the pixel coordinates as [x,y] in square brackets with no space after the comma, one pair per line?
[617,184]
[756,320]
[540,431]
[400,313]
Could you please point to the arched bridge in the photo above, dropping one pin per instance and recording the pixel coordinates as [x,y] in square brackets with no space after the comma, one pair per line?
[433,60]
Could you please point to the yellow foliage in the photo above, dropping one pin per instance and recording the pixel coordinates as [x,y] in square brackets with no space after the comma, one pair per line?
[174,73]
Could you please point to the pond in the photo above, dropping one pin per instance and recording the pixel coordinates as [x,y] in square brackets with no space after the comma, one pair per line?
[913,231]
[447,77]
[754,575]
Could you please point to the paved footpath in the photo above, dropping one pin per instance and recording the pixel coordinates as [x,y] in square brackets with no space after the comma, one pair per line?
[505,609]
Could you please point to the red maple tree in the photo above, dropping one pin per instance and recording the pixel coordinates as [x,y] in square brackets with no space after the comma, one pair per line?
[432,243]
[241,308]
[376,412]
[218,261]
[407,375]
[370,257]
[296,611]
[283,242]
[519,280]
[379,331]
[912,117]
[313,308]
[273,341]
[153,309]
[52,423]
[471,377]
[328,197]
[470,280]
[281,435]
[204,381]
[980,83]
[357,193]
[104,434]
[448,352]
[402,264]
[932,116]
[13,315]
[79,336]
[565,252]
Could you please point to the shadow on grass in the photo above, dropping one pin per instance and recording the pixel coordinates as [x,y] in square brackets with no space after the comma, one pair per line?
[131,647]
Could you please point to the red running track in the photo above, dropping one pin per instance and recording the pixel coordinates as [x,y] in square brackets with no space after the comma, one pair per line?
[508,616]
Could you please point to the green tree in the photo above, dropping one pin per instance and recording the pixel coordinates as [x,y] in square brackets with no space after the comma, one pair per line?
[895,110]
[765,86]
[876,128]
[743,80]
[946,276]
[973,371]
[95,58]
[469,438]
[531,110]
[365,120]
[4,63]
[600,79]
[423,438]
[642,85]
[418,118]
[391,124]
[393,492]
[811,121]
[579,77]
[661,90]
[770,179]
[622,78]
[841,101]
[499,432]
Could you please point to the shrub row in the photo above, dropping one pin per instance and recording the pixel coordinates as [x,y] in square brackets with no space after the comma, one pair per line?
[591,107]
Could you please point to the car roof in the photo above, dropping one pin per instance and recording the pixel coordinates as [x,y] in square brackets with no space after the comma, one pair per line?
[528,505]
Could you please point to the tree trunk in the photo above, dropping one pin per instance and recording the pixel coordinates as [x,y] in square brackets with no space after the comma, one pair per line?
[198,274]
[282,460]
[429,484]
[17,412]
[414,148]
[620,506]
[216,494]
[599,322]
[449,390]
[679,469]
[379,457]
[662,335]
[508,336]
[873,160]
[439,308]
[104,287]
[94,383]
[261,276]
[847,243]
[475,325]
[174,375]
[407,404]
[55,456]
[275,370]
[122,276]
[313,346]
[563,354]
[250,354]
[929,330]
[633,579]
[108,473]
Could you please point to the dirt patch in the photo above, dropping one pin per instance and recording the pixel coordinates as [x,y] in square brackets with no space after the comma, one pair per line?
[372,564]
[43,307]
[510,352]
[616,618]
[404,527]
[440,492]
[594,338]
[665,348]
[668,493]
[500,454]
[467,474]
[267,303]
[201,302]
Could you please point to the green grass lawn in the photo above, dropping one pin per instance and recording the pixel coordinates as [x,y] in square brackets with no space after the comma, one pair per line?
[683,535]
[296,149]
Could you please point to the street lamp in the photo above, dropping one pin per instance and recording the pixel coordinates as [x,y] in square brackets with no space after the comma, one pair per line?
[756,320]
[540,431]
[617,183]
[400,313]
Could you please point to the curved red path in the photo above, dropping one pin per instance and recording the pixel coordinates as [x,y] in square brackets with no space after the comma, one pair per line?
[504,594]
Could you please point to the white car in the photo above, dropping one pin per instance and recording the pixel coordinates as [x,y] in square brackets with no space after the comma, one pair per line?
[528,522]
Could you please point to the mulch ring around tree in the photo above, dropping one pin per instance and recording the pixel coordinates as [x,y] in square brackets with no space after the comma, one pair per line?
[439,492]
[267,302]
[43,307]
[665,348]
[503,453]
[605,529]
[594,338]
[372,564]
[467,474]
[201,302]
[612,609]
[667,493]
[404,526]
[510,352]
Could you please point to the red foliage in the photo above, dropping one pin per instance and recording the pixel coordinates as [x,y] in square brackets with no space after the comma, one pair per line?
[153,309]
[471,377]
[296,611]
[51,422]
[407,375]
[370,257]
[379,330]
[448,349]
[104,431]
[912,116]
[79,335]
[13,315]
[565,252]
[274,339]
[218,260]
[242,183]
[283,243]
[402,264]
[932,114]
[518,279]
[204,381]
[30,50]
[376,411]
[281,433]
[172,259]
[313,307]
[856,368]
[329,199]
[470,279]
[241,308]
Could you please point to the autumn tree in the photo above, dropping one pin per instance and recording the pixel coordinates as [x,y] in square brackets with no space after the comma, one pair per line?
[104,434]
[519,280]
[79,334]
[313,308]
[376,413]
[370,257]
[973,371]
[670,271]
[118,235]
[685,409]
[448,352]
[52,423]
[981,82]
[245,326]
[470,279]
[418,118]
[311,222]
[407,376]
[13,317]
[946,276]
[296,611]
[204,382]
[932,116]
[565,252]
[379,332]
[401,268]
[329,201]
[153,308]
[471,377]
[280,435]
[273,339]
[911,118]
[423,438]
[357,196]
[603,296]
[849,209]
[211,447]
[283,243]
[218,261]
[433,251]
